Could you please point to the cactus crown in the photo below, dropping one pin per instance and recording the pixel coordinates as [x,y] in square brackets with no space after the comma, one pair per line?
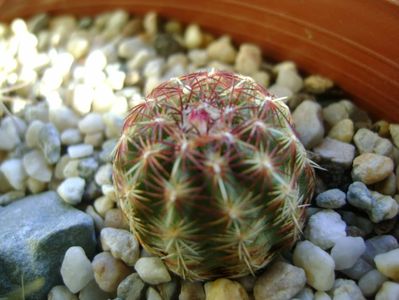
[211,175]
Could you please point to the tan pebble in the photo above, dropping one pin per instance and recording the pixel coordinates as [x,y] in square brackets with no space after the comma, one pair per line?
[394,131]
[317,84]
[388,264]
[371,168]
[103,204]
[225,289]
[249,59]
[387,186]
[192,291]
[342,131]
[388,291]
[116,219]
[222,50]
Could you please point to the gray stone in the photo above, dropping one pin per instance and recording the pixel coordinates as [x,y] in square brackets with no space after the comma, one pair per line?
[346,289]
[371,282]
[367,141]
[333,198]
[377,245]
[87,167]
[50,143]
[131,288]
[336,151]
[35,232]
[360,268]
[71,136]
[359,196]
[385,208]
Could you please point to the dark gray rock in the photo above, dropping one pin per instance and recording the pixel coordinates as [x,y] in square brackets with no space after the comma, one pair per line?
[359,196]
[35,232]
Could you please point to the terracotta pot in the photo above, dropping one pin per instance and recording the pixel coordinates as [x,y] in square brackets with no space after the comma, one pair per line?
[353,42]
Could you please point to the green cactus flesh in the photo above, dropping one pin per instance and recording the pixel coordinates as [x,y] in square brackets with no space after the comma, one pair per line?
[211,175]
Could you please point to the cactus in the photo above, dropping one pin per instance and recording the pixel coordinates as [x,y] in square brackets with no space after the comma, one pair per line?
[211,175]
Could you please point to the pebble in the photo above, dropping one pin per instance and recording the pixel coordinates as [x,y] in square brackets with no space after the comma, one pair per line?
[61,292]
[305,294]
[249,59]
[225,289]
[321,296]
[116,219]
[154,68]
[91,123]
[152,270]
[191,291]
[36,166]
[109,271]
[80,150]
[263,78]
[371,282]
[317,84]
[367,141]
[342,131]
[346,289]
[325,228]
[222,50]
[14,172]
[168,290]
[360,268]
[9,135]
[104,174]
[333,198]
[63,118]
[152,294]
[71,136]
[358,195]
[290,79]
[388,186]
[385,208]
[97,219]
[388,264]
[92,291]
[87,167]
[318,265]
[132,287]
[71,190]
[280,281]
[82,98]
[346,251]
[336,152]
[121,243]
[76,269]
[11,196]
[394,131]
[388,291]
[308,123]
[193,36]
[371,168]
[35,186]
[150,23]
[32,133]
[103,99]
[102,205]
[50,143]
[166,44]
[335,112]
[379,245]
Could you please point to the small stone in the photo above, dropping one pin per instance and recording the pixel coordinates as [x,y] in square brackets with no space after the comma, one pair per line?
[281,92]
[308,123]
[263,78]
[97,219]
[128,48]
[36,166]
[32,133]
[346,251]
[87,167]
[121,243]
[82,98]
[346,289]
[379,245]
[388,291]
[371,168]
[109,271]
[166,44]
[71,190]
[280,281]
[370,282]
[249,59]
[222,50]
[78,46]
[114,124]
[225,289]
[291,79]
[35,186]
[9,134]
[154,68]
[367,141]
[108,191]
[104,175]
[360,268]
[50,143]
[191,291]
[168,290]
[388,264]
[333,198]
[71,136]
[336,151]
[193,36]
[317,84]
[91,123]
[342,131]
[131,288]
[199,57]
[150,23]
[394,131]
[61,292]
[335,112]
[152,294]
[305,294]
[359,196]
[63,118]
[325,228]
[318,265]
[103,100]
[105,154]
[92,291]
[80,150]
[102,205]
[71,168]
[152,270]
[387,186]
[76,269]
[14,172]
[385,208]
[116,219]
[321,296]
[7,198]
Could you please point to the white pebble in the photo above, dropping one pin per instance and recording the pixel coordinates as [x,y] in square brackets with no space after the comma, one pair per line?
[193,36]
[71,136]
[91,123]
[104,175]
[388,263]
[35,165]
[152,270]
[371,282]
[388,291]
[32,133]
[290,78]
[71,190]
[79,151]
[76,270]
[14,172]
[347,251]
[61,292]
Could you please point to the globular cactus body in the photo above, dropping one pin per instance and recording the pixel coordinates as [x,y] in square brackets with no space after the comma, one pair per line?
[211,175]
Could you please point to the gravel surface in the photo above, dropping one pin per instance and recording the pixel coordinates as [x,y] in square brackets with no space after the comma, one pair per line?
[67,83]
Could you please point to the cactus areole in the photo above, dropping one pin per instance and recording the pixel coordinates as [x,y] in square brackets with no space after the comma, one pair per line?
[211,175]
